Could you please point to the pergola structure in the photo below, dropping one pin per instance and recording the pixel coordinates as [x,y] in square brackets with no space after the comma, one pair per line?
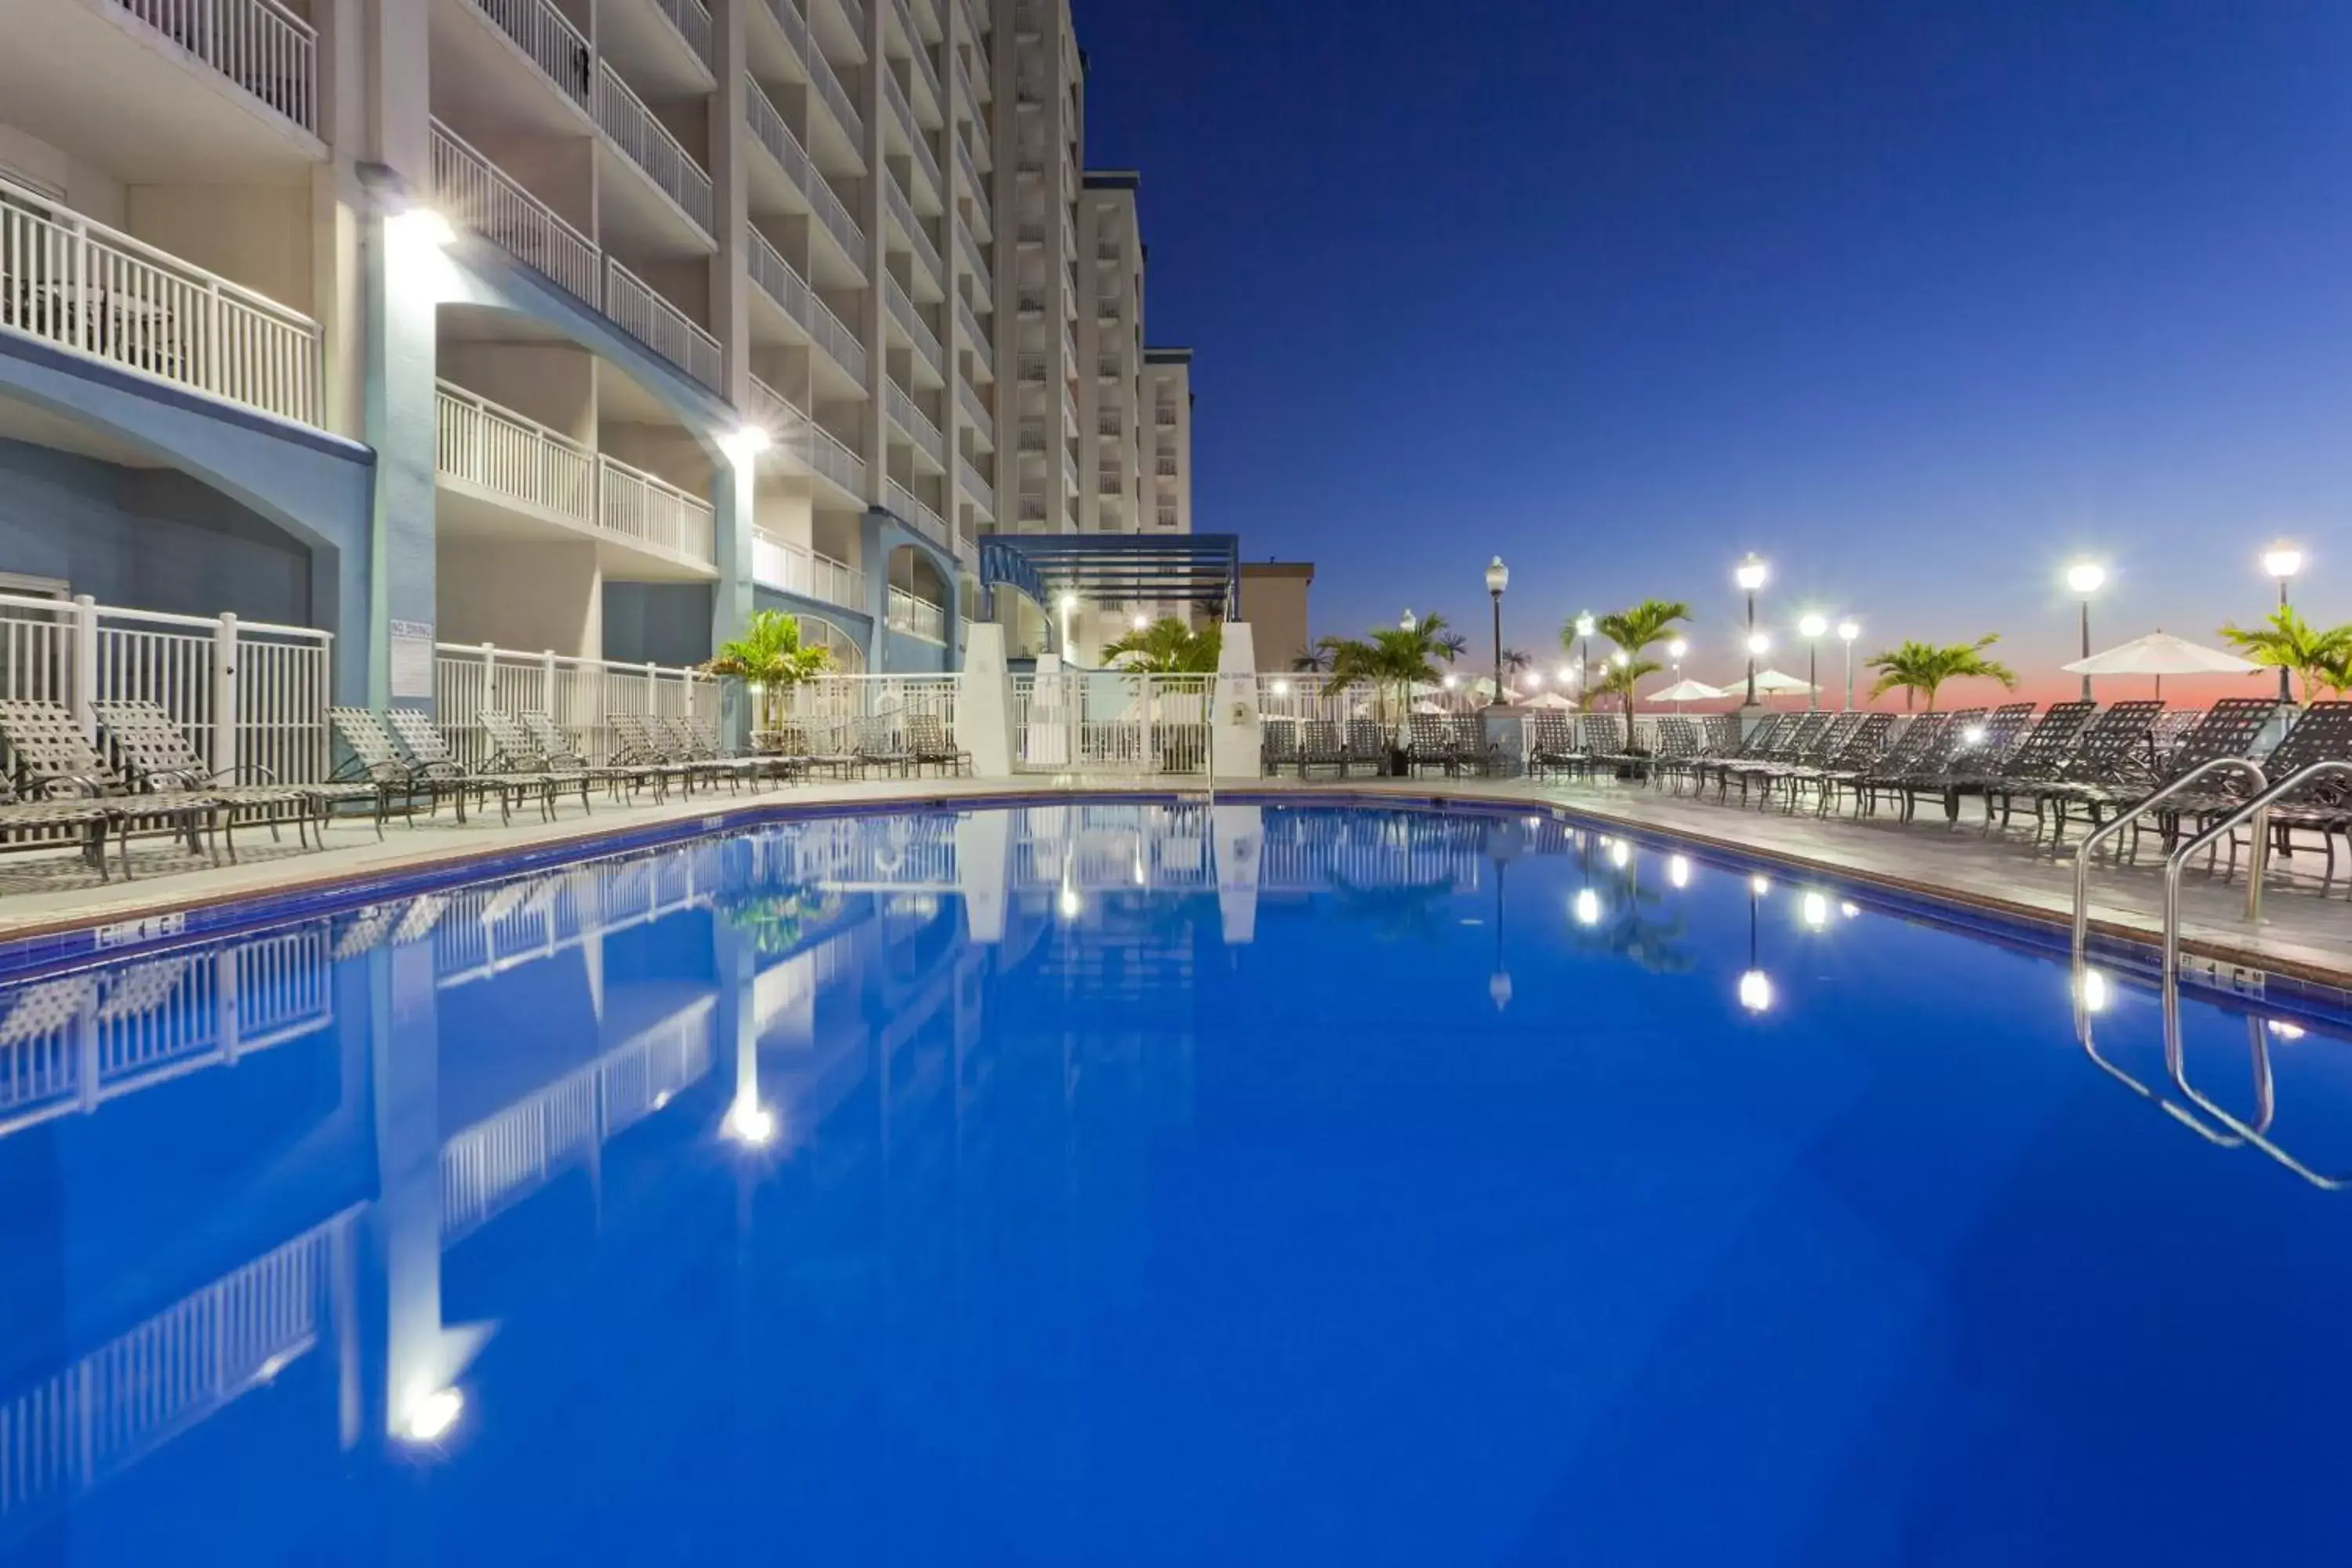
[1117,569]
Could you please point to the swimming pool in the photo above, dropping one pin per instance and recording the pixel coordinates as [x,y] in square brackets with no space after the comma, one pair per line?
[1160,1183]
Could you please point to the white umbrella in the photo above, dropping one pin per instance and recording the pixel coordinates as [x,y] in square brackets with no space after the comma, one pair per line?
[1683,691]
[1549,699]
[2160,654]
[1773,682]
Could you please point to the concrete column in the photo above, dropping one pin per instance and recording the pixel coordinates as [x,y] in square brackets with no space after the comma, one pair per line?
[731,152]
[734,486]
[398,328]
[984,704]
[875,215]
[1234,737]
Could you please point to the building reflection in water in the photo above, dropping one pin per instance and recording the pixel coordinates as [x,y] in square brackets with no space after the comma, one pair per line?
[291,1156]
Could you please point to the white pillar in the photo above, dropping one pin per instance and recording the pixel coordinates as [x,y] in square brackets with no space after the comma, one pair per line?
[982,840]
[224,748]
[984,703]
[1239,838]
[85,664]
[1234,736]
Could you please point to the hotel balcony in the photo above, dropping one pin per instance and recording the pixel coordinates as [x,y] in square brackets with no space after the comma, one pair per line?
[982,493]
[801,441]
[667,43]
[661,326]
[166,92]
[914,617]
[476,193]
[917,334]
[975,186]
[976,415]
[905,136]
[791,568]
[918,514]
[930,447]
[918,241]
[841,360]
[76,284]
[926,74]
[654,153]
[975,260]
[975,337]
[788,180]
[501,476]
[1069,473]
[840,131]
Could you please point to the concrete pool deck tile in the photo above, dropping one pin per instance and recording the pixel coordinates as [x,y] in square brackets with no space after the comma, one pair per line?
[50,907]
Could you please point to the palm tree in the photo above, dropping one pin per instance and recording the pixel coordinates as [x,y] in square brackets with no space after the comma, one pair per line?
[1618,680]
[2288,641]
[1392,657]
[1167,646]
[1312,660]
[1515,663]
[1451,645]
[1919,667]
[1635,630]
[770,659]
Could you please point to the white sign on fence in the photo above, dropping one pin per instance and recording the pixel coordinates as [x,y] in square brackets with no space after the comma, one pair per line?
[412,658]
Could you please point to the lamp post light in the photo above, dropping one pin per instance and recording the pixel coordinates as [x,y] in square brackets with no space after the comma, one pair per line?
[1585,628]
[1812,629]
[2282,560]
[1498,577]
[1751,575]
[2086,578]
[1675,652]
[1758,645]
[1847,632]
[1407,621]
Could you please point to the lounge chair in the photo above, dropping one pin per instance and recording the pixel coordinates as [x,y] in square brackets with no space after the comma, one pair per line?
[1321,745]
[157,758]
[1916,761]
[2039,753]
[1552,744]
[700,748]
[377,762]
[1823,744]
[1773,740]
[926,737]
[2114,744]
[35,824]
[1429,744]
[2322,732]
[1278,746]
[1754,745]
[516,750]
[562,755]
[429,752]
[1864,743]
[1718,737]
[2230,728]
[1978,743]
[879,748]
[50,761]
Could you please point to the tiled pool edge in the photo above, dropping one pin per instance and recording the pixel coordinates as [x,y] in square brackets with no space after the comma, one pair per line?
[2128,947]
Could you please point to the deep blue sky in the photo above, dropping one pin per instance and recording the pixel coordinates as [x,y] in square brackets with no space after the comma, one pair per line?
[1918,299]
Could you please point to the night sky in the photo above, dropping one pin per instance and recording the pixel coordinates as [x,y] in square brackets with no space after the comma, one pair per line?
[1918,299]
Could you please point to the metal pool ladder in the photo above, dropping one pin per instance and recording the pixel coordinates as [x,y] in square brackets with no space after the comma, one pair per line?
[2130,815]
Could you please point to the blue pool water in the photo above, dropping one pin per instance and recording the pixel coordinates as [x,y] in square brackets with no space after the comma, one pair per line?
[1144,1184]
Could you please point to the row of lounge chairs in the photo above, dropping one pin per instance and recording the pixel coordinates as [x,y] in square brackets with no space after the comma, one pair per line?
[1453,742]
[2071,764]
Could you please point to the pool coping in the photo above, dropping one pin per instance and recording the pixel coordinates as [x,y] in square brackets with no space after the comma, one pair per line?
[309,892]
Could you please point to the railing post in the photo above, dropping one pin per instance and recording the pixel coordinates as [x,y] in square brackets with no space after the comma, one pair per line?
[224,758]
[84,671]
[546,685]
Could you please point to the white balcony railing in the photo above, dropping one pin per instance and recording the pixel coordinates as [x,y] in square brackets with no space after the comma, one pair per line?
[779,279]
[917,515]
[1164,415]
[903,311]
[854,10]
[661,326]
[974,182]
[926,160]
[919,239]
[1069,473]
[259,45]
[791,568]
[649,144]
[975,412]
[979,489]
[635,505]
[835,96]
[553,44]
[501,452]
[476,193]
[916,617]
[915,423]
[975,260]
[983,351]
[768,129]
[831,457]
[692,20]
[1070,412]
[82,286]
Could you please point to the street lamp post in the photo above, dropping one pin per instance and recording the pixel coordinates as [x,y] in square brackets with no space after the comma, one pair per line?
[2282,560]
[1498,577]
[1585,628]
[2086,578]
[1750,576]
[1758,645]
[1812,629]
[1847,632]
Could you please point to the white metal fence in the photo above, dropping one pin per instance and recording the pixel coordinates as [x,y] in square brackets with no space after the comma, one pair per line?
[250,696]
[580,694]
[82,286]
[554,45]
[831,705]
[692,20]
[259,45]
[916,617]
[1097,721]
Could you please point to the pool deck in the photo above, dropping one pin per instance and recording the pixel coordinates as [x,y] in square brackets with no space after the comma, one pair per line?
[2306,932]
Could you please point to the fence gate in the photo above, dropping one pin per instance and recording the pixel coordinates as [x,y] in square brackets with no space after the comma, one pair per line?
[1107,722]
